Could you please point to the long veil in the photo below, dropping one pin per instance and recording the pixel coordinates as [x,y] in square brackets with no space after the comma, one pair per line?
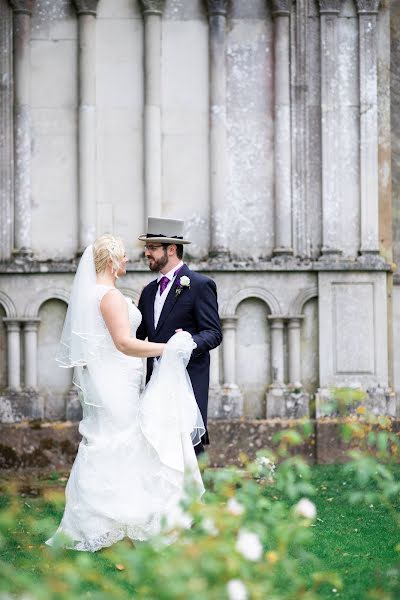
[169,416]
[83,336]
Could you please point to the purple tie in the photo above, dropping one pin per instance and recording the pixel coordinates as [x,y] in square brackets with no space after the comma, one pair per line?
[164,281]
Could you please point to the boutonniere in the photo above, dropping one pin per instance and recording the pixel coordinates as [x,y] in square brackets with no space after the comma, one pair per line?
[184,282]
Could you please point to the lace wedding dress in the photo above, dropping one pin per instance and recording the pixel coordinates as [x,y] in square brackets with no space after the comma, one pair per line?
[136,453]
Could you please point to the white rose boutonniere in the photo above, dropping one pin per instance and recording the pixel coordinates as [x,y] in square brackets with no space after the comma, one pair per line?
[184,282]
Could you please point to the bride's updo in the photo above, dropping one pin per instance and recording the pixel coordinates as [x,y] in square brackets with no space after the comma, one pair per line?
[105,248]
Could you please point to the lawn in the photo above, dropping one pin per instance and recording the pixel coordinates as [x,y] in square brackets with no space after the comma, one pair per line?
[359,542]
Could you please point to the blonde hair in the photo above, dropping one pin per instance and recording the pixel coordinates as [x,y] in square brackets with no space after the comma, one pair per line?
[105,248]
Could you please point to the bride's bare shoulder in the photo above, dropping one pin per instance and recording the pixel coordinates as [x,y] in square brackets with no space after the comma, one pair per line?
[110,298]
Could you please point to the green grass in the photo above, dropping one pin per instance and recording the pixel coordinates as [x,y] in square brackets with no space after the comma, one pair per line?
[356,541]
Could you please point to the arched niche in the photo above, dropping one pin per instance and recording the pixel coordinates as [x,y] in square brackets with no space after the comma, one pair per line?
[3,348]
[54,382]
[310,346]
[253,359]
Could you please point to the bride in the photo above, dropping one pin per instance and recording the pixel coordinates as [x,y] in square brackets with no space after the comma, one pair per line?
[136,455]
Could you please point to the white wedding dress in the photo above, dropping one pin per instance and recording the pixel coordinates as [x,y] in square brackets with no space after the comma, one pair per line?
[136,455]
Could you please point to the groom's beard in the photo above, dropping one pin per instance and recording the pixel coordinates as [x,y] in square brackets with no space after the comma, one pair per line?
[156,265]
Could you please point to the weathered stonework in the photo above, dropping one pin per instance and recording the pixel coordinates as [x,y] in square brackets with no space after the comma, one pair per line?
[22,6]
[152,7]
[217,7]
[227,108]
[86,7]
[368,7]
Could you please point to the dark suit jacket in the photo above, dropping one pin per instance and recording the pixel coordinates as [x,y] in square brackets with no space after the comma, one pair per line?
[194,310]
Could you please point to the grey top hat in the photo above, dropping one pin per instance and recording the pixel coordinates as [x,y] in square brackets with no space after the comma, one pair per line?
[165,231]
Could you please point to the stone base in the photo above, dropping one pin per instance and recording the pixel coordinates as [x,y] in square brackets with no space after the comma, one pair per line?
[340,402]
[53,446]
[73,408]
[228,404]
[15,406]
[283,403]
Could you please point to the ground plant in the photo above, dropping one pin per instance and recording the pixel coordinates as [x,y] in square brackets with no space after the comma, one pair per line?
[274,528]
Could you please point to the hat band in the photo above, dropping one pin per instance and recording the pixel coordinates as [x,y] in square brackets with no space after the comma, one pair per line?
[158,235]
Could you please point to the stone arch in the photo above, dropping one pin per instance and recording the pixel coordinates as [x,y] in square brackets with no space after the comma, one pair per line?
[134,296]
[229,308]
[33,305]
[8,305]
[302,297]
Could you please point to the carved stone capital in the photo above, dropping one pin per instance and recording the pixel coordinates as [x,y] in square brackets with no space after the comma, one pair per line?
[217,7]
[86,7]
[22,6]
[12,325]
[280,8]
[367,7]
[330,7]
[152,7]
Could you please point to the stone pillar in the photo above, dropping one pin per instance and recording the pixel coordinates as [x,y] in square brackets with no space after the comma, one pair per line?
[217,10]
[329,11]
[6,133]
[231,398]
[277,329]
[30,352]
[300,129]
[367,16]
[214,395]
[294,343]
[214,368]
[152,13]
[229,349]
[86,10]
[22,126]
[13,327]
[282,134]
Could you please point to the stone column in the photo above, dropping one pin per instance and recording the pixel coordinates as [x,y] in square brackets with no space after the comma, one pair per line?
[231,398]
[152,13]
[275,398]
[214,368]
[87,176]
[367,12]
[229,349]
[217,11]
[277,329]
[6,133]
[294,343]
[214,395]
[22,126]
[282,133]
[329,11]
[30,352]
[13,327]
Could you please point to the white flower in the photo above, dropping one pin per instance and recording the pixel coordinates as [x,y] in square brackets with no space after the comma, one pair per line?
[305,508]
[182,520]
[234,507]
[264,461]
[209,526]
[184,281]
[236,590]
[248,544]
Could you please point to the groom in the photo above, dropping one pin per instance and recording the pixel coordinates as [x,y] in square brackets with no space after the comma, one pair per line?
[179,299]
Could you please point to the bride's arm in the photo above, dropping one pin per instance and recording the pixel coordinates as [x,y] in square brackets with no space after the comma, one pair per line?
[115,314]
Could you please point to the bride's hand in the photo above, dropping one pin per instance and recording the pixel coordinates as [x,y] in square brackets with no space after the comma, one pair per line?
[182,342]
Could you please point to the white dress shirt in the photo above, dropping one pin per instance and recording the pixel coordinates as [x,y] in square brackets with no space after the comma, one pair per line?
[159,301]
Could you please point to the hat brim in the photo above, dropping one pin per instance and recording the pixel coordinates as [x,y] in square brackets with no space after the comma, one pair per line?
[162,240]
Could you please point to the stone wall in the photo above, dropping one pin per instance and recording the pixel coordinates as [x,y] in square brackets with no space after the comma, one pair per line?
[265,125]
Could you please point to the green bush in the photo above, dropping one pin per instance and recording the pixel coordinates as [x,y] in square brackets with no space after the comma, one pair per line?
[243,543]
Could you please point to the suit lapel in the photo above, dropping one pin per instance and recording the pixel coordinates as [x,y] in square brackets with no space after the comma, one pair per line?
[171,298]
